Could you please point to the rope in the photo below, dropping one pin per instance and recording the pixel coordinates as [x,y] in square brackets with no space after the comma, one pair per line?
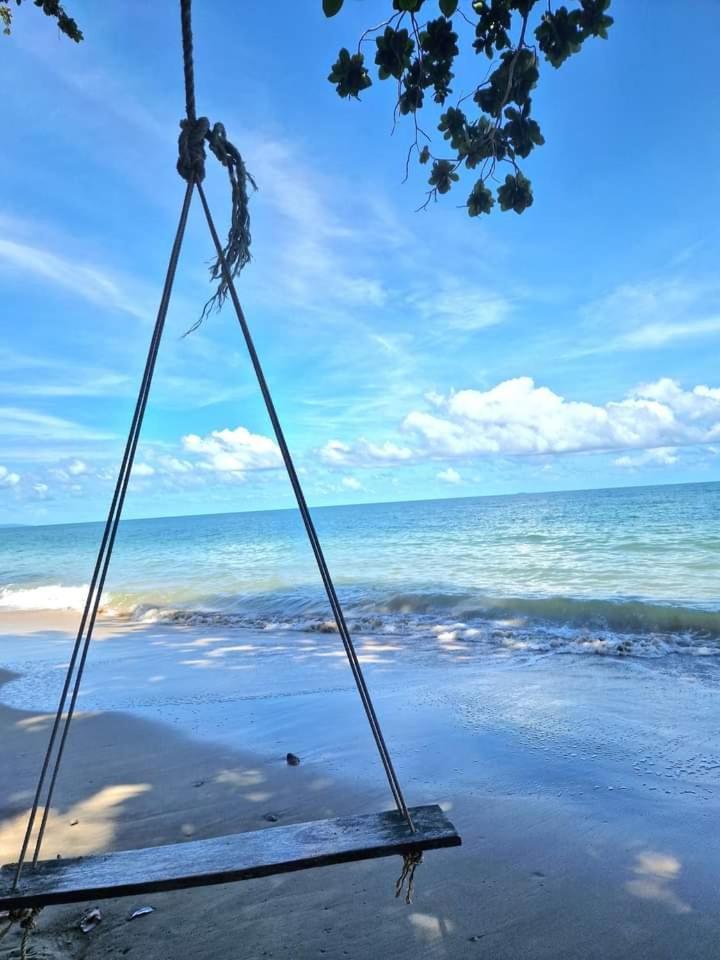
[27,918]
[194,133]
[28,925]
[411,861]
[309,526]
[230,259]
[92,603]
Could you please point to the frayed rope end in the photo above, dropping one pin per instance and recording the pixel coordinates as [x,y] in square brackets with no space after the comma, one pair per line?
[406,881]
[191,165]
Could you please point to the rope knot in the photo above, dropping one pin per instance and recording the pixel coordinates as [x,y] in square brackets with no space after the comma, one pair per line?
[191,149]
[191,167]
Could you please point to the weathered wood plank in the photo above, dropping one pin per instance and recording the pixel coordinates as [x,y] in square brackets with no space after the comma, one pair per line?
[241,856]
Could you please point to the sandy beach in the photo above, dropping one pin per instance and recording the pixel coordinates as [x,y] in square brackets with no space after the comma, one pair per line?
[588,815]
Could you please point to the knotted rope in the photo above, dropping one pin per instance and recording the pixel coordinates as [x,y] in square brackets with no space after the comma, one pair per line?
[411,861]
[194,133]
[27,918]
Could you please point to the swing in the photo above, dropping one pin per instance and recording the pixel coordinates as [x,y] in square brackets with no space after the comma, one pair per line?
[261,853]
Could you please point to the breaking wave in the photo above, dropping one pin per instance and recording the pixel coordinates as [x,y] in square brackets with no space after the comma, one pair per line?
[51,596]
[622,627]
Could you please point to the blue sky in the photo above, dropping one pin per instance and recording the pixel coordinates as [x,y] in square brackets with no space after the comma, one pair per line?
[411,354]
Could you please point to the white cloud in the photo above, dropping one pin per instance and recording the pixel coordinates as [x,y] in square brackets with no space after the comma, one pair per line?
[351,483]
[518,417]
[76,467]
[143,470]
[336,452]
[363,453]
[8,478]
[660,456]
[449,476]
[41,489]
[233,451]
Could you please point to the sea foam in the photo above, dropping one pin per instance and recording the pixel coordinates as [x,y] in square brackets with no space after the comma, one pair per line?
[50,596]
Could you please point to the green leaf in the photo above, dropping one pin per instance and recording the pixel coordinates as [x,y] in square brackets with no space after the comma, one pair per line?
[480,200]
[394,50]
[331,7]
[448,7]
[443,176]
[516,193]
[349,74]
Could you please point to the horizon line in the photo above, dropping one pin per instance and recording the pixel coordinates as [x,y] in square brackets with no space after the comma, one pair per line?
[373,503]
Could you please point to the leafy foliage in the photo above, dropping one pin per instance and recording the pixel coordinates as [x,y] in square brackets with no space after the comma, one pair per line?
[349,74]
[51,8]
[419,55]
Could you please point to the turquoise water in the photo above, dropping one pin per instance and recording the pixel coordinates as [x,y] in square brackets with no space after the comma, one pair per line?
[624,571]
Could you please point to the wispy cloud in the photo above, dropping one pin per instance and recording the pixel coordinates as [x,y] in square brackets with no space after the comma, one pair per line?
[659,334]
[650,315]
[459,304]
[319,259]
[87,281]
[33,426]
[100,386]
[660,456]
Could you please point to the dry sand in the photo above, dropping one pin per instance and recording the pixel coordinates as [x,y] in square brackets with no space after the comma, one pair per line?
[587,793]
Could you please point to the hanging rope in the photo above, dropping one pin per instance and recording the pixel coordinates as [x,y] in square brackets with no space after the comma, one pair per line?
[194,133]
[226,269]
[27,918]
[411,861]
[309,526]
[230,258]
[97,583]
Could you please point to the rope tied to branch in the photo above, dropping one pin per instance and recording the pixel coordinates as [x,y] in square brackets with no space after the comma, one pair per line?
[194,133]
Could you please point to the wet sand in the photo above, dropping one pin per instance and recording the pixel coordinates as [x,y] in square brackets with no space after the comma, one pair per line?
[587,792]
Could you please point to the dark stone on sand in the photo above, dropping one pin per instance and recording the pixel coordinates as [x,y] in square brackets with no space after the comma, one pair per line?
[293,760]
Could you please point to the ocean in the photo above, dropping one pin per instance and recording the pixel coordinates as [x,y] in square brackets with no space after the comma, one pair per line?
[620,572]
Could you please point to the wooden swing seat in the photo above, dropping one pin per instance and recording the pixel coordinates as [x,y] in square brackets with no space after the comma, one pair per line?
[242,856]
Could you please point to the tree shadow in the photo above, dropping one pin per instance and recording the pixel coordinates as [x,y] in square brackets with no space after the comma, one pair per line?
[130,782]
